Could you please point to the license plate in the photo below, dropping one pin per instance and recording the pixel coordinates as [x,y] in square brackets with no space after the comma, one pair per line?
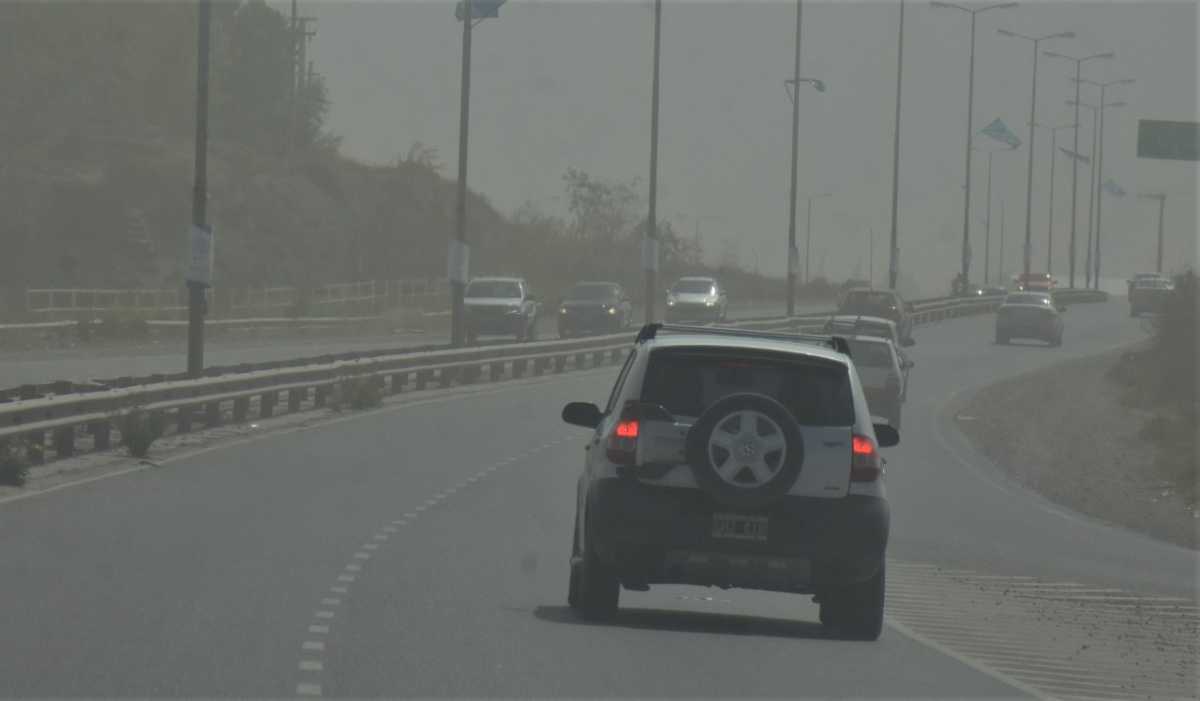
[739,527]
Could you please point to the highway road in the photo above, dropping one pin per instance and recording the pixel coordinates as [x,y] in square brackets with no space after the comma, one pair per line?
[421,550]
[170,355]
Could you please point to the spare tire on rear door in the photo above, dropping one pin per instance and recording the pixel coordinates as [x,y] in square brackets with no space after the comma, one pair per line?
[746,450]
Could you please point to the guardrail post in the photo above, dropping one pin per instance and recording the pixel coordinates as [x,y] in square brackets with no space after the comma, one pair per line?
[496,372]
[396,383]
[212,414]
[423,377]
[560,362]
[446,377]
[101,435]
[321,396]
[597,359]
[241,407]
[580,360]
[35,448]
[64,441]
[616,355]
[184,418]
[266,404]
[539,364]
[519,367]
[295,397]
[469,373]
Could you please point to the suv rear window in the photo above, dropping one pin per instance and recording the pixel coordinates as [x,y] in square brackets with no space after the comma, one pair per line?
[688,381]
[870,354]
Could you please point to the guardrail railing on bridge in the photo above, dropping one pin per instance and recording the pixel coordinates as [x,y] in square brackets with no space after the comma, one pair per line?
[307,384]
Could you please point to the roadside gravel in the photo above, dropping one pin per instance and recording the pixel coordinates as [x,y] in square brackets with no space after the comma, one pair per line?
[1063,432]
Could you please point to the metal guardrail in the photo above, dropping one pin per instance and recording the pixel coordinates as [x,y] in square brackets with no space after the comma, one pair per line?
[211,401]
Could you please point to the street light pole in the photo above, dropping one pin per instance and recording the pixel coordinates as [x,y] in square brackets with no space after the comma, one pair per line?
[1162,202]
[650,250]
[966,242]
[1036,41]
[1050,223]
[791,252]
[1075,149]
[196,302]
[1100,166]
[808,236]
[894,257]
[458,256]
[987,239]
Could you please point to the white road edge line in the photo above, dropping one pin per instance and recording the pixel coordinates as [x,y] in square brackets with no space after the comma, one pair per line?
[308,689]
[970,662]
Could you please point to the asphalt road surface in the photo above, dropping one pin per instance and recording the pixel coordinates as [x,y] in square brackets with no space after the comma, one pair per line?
[169,356]
[421,550]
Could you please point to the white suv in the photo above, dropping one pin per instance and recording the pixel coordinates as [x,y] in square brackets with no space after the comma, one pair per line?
[732,458]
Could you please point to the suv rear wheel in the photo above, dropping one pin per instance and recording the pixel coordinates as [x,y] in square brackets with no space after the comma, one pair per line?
[594,590]
[855,611]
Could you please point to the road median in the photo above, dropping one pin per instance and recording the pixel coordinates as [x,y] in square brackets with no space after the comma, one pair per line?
[1071,433]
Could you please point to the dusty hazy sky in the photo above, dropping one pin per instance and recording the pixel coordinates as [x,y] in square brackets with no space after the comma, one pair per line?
[567,84]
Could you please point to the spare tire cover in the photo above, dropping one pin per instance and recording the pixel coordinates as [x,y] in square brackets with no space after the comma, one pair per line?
[746,450]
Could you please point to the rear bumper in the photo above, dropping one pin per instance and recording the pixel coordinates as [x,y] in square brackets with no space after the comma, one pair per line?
[692,312]
[1039,330]
[507,324]
[655,535]
[575,323]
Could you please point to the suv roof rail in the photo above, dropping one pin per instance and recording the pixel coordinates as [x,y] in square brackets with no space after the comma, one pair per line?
[837,343]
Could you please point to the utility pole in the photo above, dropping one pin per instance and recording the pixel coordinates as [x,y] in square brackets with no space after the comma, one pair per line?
[894,257]
[1099,154]
[650,246]
[792,252]
[458,259]
[196,287]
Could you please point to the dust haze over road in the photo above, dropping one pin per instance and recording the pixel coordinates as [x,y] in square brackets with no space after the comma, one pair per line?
[426,524]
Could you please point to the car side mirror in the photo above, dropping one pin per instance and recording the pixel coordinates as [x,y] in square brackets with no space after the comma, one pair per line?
[583,414]
[887,435]
[908,342]
[908,364]
[1062,307]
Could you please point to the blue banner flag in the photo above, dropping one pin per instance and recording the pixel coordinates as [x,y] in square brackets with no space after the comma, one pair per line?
[999,131]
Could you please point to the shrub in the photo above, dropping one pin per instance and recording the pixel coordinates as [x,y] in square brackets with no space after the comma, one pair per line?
[139,430]
[357,393]
[14,463]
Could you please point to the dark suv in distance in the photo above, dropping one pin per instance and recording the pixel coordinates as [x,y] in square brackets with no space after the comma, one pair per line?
[868,301]
[594,307]
[734,458]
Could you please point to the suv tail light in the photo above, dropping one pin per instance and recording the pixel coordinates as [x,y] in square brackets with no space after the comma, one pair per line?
[622,444]
[864,460]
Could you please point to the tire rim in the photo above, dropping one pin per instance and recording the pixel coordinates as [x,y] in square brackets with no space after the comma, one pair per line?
[747,449]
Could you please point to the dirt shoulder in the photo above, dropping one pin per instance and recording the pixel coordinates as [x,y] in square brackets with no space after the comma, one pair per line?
[1064,432]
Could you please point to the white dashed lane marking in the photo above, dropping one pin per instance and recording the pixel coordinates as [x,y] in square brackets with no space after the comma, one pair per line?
[310,664]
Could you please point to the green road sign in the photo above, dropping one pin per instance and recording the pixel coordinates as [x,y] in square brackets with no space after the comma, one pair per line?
[1173,141]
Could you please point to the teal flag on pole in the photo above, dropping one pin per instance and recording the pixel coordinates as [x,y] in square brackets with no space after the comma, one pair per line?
[999,131]
[1111,187]
[1077,156]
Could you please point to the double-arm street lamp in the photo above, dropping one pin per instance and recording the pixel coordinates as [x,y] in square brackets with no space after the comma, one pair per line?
[793,83]
[1100,163]
[974,12]
[1075,149]
[1028,258]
